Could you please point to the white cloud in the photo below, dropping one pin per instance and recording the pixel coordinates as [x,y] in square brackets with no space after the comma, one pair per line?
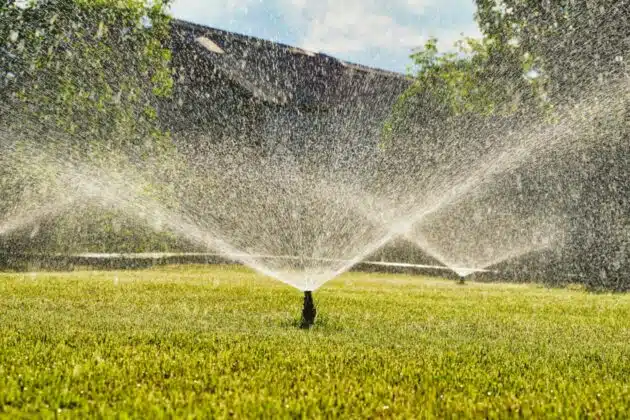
[419,7]
[210,11]
[361,30]
[349,26]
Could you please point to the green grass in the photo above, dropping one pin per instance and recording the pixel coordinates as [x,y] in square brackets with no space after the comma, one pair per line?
[222,341]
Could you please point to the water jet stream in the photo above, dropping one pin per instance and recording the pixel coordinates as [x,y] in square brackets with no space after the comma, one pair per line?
[256,208]
[523,147]
[239,257]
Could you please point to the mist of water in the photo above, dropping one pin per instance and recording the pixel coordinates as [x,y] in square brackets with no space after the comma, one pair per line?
[305,215]
[426,212]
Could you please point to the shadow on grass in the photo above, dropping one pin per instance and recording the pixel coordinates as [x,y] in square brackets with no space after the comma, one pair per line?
[323,323]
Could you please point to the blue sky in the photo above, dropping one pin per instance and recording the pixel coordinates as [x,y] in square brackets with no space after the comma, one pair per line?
[378,33]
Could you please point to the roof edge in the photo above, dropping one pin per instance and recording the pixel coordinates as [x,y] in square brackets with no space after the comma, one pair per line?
[348,64]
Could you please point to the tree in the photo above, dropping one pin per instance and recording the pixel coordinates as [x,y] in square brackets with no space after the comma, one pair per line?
[93,68]
[573,42]
[532,53]
[583,45]
[83,79]
[535,56]
[482,80]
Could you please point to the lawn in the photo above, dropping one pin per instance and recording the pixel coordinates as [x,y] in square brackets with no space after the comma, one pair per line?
[221,341]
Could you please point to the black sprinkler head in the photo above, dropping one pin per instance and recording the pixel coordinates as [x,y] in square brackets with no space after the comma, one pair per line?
[308,311]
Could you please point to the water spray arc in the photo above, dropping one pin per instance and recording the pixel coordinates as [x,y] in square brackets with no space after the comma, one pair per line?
[304,215]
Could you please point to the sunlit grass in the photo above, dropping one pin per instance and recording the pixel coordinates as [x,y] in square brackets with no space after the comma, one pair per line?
[220,341]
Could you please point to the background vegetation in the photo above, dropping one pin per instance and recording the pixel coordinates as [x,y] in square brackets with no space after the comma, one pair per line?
[534,58]
[83,80]
[92,68]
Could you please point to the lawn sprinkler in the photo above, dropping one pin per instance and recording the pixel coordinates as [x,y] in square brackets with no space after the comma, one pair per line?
[308,311]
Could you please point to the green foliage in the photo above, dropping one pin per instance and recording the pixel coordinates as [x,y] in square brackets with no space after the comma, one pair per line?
[573,43]
[532,55]
[219,342]
[467,80]
[582,46]
[93,68]
[81,80]
[482,77]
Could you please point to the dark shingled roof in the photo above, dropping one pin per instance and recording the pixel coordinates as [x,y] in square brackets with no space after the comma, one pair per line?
[238,83]
[280,73]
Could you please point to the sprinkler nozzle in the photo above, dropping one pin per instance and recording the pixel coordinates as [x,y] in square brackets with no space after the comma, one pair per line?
[308,311]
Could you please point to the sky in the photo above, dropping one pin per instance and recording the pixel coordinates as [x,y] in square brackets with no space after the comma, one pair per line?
[377,33]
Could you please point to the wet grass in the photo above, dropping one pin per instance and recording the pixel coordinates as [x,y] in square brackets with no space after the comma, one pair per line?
[222,341]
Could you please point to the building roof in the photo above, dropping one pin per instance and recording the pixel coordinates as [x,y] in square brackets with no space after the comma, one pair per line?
[283,74]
